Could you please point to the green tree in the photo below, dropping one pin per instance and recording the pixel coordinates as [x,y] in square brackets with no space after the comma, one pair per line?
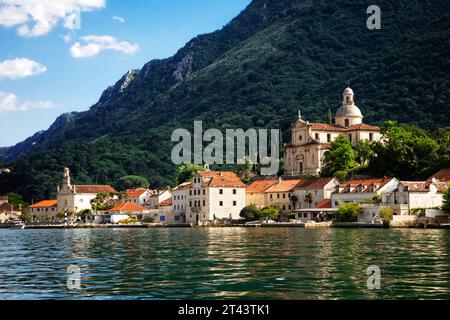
[446,201]
[250,213]
[294,200]
[309,199]
[406,152]
[16,200]
[348,212]
[185,172]
[271,212]
[340,158]
[386,214]
[131,182]
[364,151]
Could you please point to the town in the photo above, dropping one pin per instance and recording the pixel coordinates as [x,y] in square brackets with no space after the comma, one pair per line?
[300,197]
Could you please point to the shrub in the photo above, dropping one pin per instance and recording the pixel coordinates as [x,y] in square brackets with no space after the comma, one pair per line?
[348,212]
[386,214]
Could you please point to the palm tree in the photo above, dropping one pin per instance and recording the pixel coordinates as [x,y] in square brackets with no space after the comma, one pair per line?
[294,200]
[309,199]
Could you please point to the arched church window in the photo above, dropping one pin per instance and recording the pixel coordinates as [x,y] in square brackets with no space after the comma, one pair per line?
[348,99]
[300,138]
[347,122]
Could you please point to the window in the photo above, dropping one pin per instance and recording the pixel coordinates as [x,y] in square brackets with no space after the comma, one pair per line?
[204,203]
[177,218]
[328,137]
[221,203]
[234,203]
[300,138]
[220,191]
[370,136]
[284,207]
[290,207]
[348,99]
[190,203]
[284,195]
[350,137]
[234,191]
[347,123]
[204,191]
[271,196]
[317,136]
[190,192]
[278,196]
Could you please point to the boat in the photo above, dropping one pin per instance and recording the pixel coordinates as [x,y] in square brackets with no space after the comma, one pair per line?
[17,224]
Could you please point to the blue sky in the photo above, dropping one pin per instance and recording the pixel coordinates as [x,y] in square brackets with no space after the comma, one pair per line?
[48,66]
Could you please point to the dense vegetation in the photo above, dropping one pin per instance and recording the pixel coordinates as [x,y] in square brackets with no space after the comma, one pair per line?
[406,152]
[276,57]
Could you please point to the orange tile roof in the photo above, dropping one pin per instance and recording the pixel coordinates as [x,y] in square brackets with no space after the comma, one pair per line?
[94,189]
[45,204]
[380,182]
[221,179]
[166,203]
[326,203]
[332,127]
[442,175]
[261,185]
[134,193]
[127,206]
[285,186]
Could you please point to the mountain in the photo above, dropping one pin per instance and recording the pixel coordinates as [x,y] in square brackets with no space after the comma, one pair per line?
[273,59]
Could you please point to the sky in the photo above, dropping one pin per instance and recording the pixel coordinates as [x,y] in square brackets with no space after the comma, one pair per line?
[59,56]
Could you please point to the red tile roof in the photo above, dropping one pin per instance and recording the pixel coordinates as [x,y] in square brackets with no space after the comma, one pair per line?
[127,206]
[317,183]
[221,179]
[380,183]
[326,203]
[94,189]
[166,203]
[6,207]
[45,204]
[261,185]
[442,175]
[285,186]
[135,193]
[423,186]
[336,128]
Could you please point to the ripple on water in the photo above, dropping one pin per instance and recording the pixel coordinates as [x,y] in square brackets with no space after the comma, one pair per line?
[225,263]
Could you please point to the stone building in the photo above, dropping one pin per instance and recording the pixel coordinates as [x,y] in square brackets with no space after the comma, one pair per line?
[310,141]
[76,198]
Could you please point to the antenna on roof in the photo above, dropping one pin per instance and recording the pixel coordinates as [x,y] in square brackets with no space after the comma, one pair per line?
[348,83]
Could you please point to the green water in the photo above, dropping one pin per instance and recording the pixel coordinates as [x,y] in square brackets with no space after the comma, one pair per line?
[222,263]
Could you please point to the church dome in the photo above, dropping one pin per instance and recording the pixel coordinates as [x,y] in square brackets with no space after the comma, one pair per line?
[349,111]
[348,90]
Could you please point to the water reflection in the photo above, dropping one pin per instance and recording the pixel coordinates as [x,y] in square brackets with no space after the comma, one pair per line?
[259,263]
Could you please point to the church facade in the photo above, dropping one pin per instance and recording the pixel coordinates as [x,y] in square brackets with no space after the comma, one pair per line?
[310,141]
[76,198]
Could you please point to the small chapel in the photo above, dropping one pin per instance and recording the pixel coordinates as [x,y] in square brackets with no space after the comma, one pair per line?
[310,141]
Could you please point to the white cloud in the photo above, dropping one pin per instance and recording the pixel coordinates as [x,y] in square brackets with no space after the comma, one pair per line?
[20,68]
[96,44]
[120,19]
[38,17]
[10,102]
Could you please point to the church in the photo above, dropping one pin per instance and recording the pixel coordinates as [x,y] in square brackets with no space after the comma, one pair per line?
[76,198]
[310,141]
